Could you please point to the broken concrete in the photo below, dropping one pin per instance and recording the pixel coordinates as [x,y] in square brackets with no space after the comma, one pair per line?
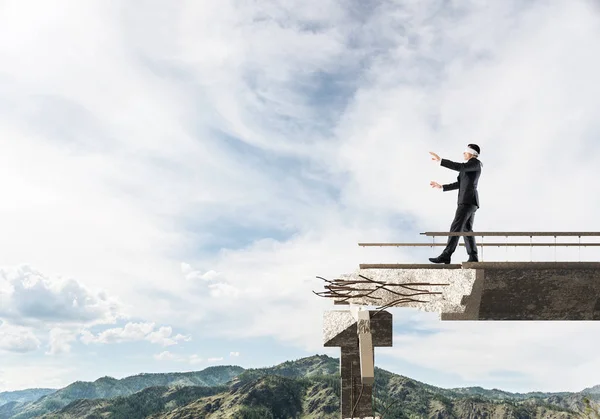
[453,284]
[492,290]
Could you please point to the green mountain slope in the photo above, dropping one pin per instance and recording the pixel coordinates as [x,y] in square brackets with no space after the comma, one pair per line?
[8,410]
[270,396]
[139,405]
[306,389]
[592,390]
[316,397]
[107,387]
[24,396]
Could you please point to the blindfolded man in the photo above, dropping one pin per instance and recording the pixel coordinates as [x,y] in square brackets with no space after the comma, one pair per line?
[468,201]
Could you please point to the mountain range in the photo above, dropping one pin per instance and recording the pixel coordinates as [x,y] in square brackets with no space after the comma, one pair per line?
[307,388]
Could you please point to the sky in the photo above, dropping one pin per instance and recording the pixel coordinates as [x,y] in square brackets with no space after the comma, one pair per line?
[174,176]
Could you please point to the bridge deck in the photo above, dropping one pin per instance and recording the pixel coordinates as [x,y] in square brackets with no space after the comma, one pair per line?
[479,290]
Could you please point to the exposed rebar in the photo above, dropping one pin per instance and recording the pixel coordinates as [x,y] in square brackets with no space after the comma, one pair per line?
[347,291]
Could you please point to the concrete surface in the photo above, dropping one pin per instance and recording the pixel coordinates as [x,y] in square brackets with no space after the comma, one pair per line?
[492,290]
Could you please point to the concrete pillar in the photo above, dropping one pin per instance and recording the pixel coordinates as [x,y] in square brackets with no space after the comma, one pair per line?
[341,330]
[352,386]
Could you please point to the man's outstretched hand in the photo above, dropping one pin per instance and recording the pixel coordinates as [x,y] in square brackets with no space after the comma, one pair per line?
[435,157]
[435,185]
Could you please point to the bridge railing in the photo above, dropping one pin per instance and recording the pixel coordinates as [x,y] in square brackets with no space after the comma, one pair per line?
[506,234]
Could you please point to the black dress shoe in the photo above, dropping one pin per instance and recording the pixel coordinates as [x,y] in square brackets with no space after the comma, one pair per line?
[440,259]
[473,258]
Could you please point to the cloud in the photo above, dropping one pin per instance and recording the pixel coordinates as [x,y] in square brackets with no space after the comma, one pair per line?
[215,359]
[134,332]
[169,356]
[164,356]
[218,286]
[210,283]
[195,359]
[60,341]
[17,339]
[131,332]
[29,297]
[224,290]
[163,337]
[236,354]
[192,275]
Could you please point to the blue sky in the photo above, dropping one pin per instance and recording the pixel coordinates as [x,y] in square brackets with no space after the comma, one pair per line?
[175,176]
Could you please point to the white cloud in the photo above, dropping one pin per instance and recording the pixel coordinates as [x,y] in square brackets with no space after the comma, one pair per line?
[17,339]
[60,341]
[215,359]
[130,332]
[164,356]
[169,356]
[218,286]
[133,332]
[236,354]
[192,275]
[224,290]
[163,337]
[29,297]
[194,359]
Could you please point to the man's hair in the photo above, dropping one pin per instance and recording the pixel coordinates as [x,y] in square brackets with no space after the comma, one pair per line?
[475,147]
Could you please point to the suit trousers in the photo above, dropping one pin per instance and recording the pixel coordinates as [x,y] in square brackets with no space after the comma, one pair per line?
[463,221]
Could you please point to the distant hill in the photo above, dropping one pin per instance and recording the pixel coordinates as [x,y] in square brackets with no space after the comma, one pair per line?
[496,394]
[307,388]
[592,390]
[139,405]
[270,396]
[23,396]
[107,387]
[407,398]
[305,367]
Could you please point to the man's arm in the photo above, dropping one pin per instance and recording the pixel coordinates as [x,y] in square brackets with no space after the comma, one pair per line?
[450,186]
[444,187]
[470,166]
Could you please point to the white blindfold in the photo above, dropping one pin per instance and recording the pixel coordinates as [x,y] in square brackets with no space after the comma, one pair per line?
[470,150]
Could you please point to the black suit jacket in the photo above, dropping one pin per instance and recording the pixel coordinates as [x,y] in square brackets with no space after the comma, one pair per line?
[468,175]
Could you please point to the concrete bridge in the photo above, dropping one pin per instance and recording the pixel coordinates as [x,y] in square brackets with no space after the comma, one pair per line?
[468,291]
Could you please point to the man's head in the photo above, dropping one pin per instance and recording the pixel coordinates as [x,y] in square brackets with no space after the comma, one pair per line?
[471,151]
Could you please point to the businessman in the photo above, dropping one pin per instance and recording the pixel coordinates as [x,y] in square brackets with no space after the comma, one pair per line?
[468,201]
